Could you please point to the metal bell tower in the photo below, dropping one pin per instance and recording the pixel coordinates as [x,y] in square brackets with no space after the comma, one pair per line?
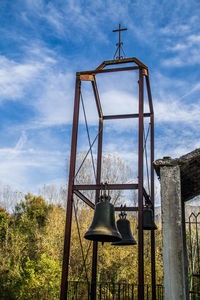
[116,65]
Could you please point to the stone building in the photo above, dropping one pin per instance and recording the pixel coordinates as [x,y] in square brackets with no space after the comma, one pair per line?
[180,182]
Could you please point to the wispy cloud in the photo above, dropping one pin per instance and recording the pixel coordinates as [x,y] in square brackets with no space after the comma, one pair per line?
[50,89]
[46,42]
[24,167]
[55,103]
[15,77]
[19,145]
[184,47]
[177,112]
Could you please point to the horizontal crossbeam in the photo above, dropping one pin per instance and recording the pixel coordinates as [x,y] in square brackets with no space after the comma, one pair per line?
[93,72]
[88,202]
[124,208]
[127,116]
[95,187]
[121,61]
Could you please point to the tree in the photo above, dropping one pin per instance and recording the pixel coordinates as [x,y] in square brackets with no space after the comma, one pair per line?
[114,170]
[21,252]
[4,218]
[31,242]
[9,197]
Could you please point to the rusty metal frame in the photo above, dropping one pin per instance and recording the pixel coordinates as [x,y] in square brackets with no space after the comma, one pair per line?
[142,194]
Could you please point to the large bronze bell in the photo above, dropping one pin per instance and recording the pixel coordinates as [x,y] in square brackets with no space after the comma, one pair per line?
[148,219]
[124,228]
[103,227]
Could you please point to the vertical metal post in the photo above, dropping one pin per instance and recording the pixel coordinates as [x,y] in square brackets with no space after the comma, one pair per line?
[66,253]
[140,194]
[185,250]
[98,181]
[153,267]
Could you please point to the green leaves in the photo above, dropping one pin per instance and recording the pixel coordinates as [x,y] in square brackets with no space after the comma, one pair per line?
[41,279]
[4,219]
[31,252]
[34,209]
[27,269]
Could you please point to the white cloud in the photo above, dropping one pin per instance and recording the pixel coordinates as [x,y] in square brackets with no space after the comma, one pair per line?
[193,89]
[172,29]
[39,82]
[178,47]
[186,49]
[15,77]
[27,168]
[194,39]
[175,100]
[13,152]
[175,111]
[55,19]
[55,103]
[115,102]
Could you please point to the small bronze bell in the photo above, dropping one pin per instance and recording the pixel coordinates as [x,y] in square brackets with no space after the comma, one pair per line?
[103,227]
[148,219]
[124,228]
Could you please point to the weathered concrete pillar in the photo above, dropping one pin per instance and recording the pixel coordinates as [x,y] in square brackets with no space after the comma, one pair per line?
[180,182]
[174,262]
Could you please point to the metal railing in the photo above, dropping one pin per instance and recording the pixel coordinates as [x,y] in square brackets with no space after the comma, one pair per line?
[108,290]
[193,252]
[194,295]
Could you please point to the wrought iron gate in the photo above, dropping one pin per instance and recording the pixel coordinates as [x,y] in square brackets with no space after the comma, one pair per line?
[193,253]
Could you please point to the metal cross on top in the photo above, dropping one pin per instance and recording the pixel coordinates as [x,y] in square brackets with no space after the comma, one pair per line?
[119,45]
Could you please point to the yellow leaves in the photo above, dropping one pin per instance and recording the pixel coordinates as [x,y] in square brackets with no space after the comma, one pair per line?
[36,255]
[115,263]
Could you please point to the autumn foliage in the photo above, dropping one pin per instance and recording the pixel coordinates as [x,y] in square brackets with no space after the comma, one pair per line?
[32,238]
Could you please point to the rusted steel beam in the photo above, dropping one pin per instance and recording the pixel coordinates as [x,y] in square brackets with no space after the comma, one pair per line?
[116,70]
[139,63]
[101,66]
[67,237]
[119,61]
[128,116]
[149,94]
[91,187]
[97,99]
[98,180]
[126,208]
[87,77]
[140,192]
[122,61]
[153,263]
[85,199]
[93,72]
[117,208]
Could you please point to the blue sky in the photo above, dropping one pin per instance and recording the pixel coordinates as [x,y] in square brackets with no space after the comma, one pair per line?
[42,45]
